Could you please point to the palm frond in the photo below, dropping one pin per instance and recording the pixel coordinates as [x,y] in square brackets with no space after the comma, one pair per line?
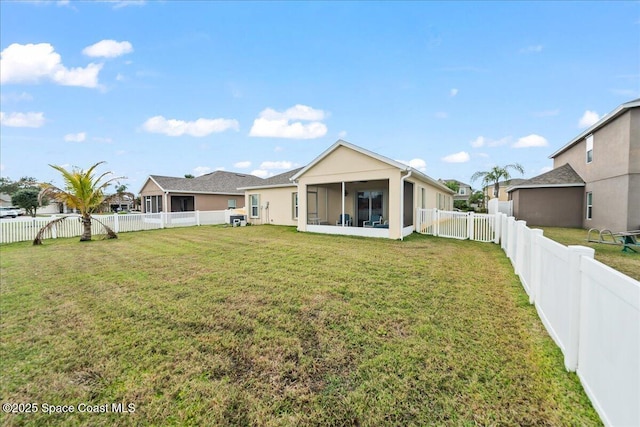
[45,228]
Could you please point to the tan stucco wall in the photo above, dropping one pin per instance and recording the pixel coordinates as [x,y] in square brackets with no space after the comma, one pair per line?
[610,152]
[216,202]
[614,174]
[280,202]
[554,207]
[150,189]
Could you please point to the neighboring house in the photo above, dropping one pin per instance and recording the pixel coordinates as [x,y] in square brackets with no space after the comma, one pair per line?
[214,191]
[464,190]
[606,158]
[553,199]
[5,200]
[351,183]
[503,196]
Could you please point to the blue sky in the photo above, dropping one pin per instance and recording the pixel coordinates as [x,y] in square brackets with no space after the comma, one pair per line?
[171,88]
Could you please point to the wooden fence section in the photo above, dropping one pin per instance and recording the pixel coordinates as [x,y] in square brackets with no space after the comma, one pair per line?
[590,310]
[26,229]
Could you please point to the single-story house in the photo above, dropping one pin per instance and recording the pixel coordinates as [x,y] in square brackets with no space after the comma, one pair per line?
[554,198]
[348,190]
[214,191]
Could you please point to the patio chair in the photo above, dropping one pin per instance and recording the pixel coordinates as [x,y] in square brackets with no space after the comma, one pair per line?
[347,220]
[375,219]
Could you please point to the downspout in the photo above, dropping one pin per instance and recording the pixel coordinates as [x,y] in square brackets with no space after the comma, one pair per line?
[402,180]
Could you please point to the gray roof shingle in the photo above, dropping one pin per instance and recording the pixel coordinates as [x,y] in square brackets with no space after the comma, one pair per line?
[564,175]
[277,180]
[218,182]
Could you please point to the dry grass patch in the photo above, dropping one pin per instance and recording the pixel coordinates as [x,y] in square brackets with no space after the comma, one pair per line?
[267,326]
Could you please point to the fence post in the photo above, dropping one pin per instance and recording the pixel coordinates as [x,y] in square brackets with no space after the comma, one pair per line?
[436,222]
[536,264]
[162,219]
[575,288]
[197,218]
[519,246]
[470,225]
[116,224]
[497,222]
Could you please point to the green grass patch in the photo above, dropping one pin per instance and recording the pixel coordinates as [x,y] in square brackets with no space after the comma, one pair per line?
[611,255]
[267,326]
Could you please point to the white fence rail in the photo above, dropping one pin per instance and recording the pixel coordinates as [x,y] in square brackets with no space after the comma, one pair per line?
[590,310]
[457,225]
[25,229]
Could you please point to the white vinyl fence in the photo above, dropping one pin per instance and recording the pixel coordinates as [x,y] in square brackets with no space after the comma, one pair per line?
[590,310]
[25,229]
[457,225]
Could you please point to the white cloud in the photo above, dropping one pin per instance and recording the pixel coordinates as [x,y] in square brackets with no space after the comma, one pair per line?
[22,120]
[418,164]
[545,169]
[242,165]
[461,157]
[197,128]
[588,118]
[16,97]
[201,170]
[75,137]
[31,63]
[288,124]
[453,92]
[108,49]
[261,173]
[342,134]
[481,141]
[441,115]
[277,165]
[532,49]
[532,140]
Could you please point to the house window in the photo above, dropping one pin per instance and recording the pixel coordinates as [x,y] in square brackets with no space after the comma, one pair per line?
[231,204]
[294,203]
[589,205]
[589,142]
[423,198]
[462,191]
[254,203]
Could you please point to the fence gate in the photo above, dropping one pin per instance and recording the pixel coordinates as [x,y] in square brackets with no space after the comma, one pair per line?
[457,225]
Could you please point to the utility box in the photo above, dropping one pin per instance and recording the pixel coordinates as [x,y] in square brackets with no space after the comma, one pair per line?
[237,220]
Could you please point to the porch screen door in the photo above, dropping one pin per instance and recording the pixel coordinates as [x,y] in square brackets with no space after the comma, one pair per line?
[369,203]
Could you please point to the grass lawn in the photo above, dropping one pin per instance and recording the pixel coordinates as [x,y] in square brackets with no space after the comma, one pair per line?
[267,326]
[611,255]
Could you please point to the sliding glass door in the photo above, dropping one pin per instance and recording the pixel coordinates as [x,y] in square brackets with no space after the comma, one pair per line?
[369,203]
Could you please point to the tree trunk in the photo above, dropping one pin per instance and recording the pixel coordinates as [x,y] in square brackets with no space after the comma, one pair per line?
[496,189]
[86,223]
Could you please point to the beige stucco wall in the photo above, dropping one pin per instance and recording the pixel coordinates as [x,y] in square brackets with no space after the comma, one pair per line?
[215,202]
[614,174]
[280,206]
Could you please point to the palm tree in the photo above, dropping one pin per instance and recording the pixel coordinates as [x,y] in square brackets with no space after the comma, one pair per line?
[82,191]
[495,174]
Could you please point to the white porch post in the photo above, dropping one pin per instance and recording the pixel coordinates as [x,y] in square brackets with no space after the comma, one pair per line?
[343,196]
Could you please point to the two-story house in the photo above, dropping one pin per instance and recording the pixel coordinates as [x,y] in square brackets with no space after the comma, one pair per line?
[595,182]
[464,190]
